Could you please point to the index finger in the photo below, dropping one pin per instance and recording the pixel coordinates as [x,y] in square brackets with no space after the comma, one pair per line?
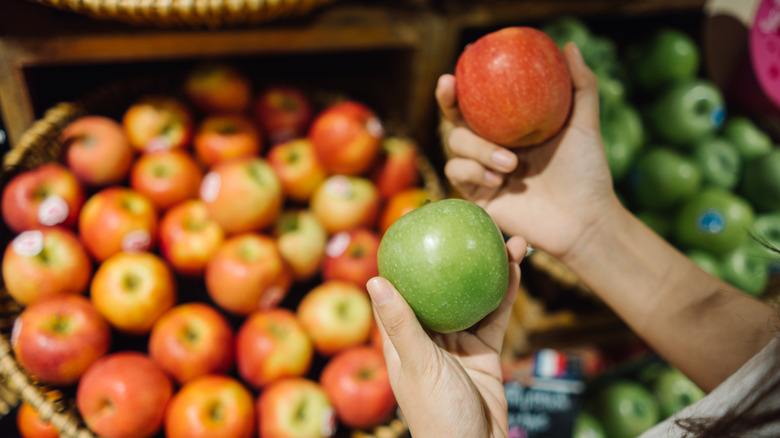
[447,99]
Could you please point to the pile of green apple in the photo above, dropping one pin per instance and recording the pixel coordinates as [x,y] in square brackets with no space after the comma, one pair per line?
[199,265]
[705,180]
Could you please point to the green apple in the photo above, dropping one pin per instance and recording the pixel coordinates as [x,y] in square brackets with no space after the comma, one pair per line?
[766,239]
[719,162]
[761,181]
[746,269]
[707,261]
[666,57]
[673,391]
[663,178]
[612,90]
[448,259]
[714,220]
[587,426]
[625,409]
[687,111]
[747,137]
[619,149]
[567,28]
[600,53]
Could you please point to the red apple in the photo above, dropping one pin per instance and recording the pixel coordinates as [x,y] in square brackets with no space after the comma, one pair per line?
[132,290]
[345,202]
[191,340]
[221,138]
[297,167]
[346,137]
[31,425]
[271,345]
[211,406]
[124,394]
[117,219]
[357,383]
[166,177]
[402,203]
[189,237]
[45,196]
[351,256]
[397,167]
[56,338]
[301,239]
[283,112]
[96,149]
[49,261]
[336,315]
[218,88]
[295,407]
[247,273]
[242,195]
[158,123]
[513,86]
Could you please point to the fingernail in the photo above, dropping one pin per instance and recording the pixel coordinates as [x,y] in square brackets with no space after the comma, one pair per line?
[503,159]
[379,291]
[576,51]
[491,179]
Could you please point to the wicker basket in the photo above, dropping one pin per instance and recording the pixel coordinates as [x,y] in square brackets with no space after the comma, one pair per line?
[188,13]
[39,145]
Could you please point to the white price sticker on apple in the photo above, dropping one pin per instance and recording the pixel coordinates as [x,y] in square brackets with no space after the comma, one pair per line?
[210,186]
[136,240]
[337,244]
[374,127]
[339,186]
[28,243]
[52,211]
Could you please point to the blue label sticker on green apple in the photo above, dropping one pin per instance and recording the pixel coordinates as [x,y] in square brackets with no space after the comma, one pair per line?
[710,222]
[718,116]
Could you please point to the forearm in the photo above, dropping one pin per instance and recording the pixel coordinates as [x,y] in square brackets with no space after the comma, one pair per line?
[697,322]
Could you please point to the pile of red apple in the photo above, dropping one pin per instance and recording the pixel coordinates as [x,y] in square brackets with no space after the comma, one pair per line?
[198,267]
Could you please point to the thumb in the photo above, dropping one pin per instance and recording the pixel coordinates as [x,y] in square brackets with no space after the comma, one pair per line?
[398,324]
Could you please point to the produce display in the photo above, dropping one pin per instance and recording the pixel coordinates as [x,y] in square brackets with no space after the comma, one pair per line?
[198,266]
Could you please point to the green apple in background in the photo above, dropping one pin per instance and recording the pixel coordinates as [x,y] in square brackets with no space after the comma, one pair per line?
[625,115]
[612,90]
[663,178]
[766,240]
[707,261]
[761,181]
[448,259]
[567,28]
[687,111]
[666,57]
[600,53]
[714,220]
[746,270]
[587,426]
[673,391]
[657,221]
[719,161]
[620,150]
[625,409]
[747,137]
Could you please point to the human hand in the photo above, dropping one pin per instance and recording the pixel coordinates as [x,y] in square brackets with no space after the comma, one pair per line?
[447,385]
[551,194]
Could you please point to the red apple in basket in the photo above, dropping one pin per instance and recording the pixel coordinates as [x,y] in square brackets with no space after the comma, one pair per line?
[124,394]
[357,383]
[297,167]
[402,203]
[221,138]
[283,112]
[166,177]
[346,137]
[211,406]
[351,256]
[56,338]
[344,202]
[191,340]
[188,237]
[247,273]
[271,345]
[97,150]
[218,88]
[295,408]
[31,425]
[513,86]
[49,261]
[397,167]
[45,196]
[336,315]
[117,219]
[132,290]
[242,195]
[156,123]
[301,239]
